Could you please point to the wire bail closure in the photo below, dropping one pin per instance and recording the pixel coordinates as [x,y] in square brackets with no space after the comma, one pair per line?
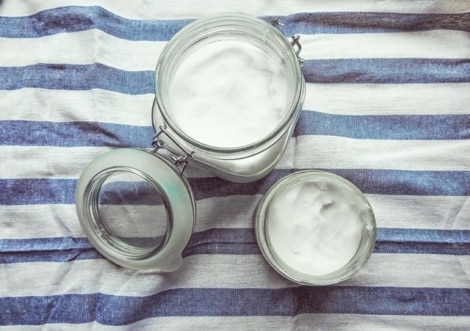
[295,40]
[180,161]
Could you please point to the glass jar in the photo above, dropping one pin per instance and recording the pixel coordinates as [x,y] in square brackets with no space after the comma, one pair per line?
[242,159]
[315,228]
[258,58]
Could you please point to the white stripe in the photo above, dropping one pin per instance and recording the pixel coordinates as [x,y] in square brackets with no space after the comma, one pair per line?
[60,278]
[388,99]
[59,162]
[87,47]
[226,271]
[422,44]
[178,323]
[96,105]
[300,322]
[391,211]
[421,212]
[46,162]
[70,106]
[346,153]
[389,270]
[360,322]
[188,9]
[303,152]
[465,264]
[349,99]
[228,212]
[24,221]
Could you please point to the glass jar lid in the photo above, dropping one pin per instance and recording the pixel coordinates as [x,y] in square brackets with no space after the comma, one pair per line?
[136,209]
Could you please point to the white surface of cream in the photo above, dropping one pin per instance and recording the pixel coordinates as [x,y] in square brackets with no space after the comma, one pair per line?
[315,227]
[228,94]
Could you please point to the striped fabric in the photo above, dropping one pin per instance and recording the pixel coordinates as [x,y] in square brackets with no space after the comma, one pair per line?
[387,107]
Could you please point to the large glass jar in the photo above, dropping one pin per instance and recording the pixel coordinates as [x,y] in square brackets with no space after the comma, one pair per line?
[241,137]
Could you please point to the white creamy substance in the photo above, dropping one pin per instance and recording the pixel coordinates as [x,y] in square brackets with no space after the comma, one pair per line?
[228,94]
[315,227]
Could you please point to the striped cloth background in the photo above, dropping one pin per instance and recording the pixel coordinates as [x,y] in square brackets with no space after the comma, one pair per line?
[387,107]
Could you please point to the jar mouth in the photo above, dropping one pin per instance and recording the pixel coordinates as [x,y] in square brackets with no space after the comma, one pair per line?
[118,217]
[309,237]
[230,132]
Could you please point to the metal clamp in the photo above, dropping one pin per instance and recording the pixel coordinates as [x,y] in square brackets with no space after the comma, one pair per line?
[180,161]
[295,40]
[276,21]
[295,43]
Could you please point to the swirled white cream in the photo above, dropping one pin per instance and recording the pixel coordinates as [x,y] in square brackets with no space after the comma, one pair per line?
[228,94]
[315,227]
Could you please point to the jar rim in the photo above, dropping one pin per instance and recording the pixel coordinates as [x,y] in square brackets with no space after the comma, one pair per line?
[238,22]
[166,180]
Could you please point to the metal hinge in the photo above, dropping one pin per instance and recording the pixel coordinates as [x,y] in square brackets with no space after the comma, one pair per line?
[180,161]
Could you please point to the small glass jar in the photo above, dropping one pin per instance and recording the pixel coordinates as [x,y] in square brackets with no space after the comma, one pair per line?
[315,228]
[119,179]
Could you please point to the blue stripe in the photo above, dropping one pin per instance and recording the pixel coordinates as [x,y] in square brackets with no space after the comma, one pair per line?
[422,241]
[370,22]
[404,182]
[74,134]
[63,249]
[99,76]
[56,256]
[76,18]
[43,244]
[77,77]
[398,127]
[83,308]
[37,191]
[401,182]
[234,242]
[387,71]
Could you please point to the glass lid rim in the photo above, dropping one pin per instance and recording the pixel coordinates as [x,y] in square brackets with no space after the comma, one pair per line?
[166,181]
